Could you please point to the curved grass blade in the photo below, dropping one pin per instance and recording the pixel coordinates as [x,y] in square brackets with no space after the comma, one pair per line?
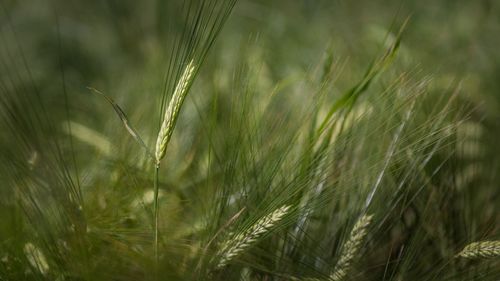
[123,117]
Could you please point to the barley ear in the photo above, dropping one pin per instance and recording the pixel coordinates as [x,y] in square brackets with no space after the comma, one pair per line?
[172,111]
[351,247]
[484,249]
[247,238]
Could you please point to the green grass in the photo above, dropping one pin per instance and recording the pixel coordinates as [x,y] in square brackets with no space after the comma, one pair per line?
[314,140]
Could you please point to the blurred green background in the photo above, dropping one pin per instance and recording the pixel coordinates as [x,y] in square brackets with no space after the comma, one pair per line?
[122,47]
[119,46]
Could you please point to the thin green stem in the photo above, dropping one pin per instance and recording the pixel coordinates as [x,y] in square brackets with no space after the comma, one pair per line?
[156,208]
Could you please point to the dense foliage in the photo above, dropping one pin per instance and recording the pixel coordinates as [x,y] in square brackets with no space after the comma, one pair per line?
[249,140]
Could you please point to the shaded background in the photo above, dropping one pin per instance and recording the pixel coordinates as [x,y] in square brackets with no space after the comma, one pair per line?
[121,47]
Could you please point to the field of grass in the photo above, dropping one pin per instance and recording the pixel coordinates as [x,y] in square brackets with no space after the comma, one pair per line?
[249,140]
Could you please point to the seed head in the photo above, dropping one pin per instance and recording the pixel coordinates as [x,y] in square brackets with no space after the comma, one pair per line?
[172,111]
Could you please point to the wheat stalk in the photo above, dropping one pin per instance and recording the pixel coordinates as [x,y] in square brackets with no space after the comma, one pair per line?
[351,247]
[167,127]
[484,249]
[172,111]
[245,239]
